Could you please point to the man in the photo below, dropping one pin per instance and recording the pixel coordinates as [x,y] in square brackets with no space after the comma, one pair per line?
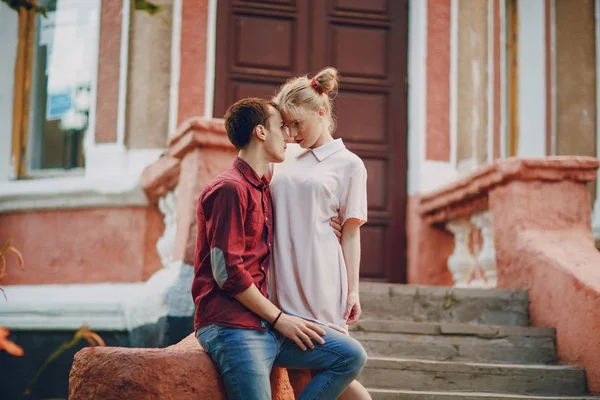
[241,330]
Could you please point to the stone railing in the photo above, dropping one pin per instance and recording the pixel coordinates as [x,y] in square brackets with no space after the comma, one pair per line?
[543,241]
[463,208]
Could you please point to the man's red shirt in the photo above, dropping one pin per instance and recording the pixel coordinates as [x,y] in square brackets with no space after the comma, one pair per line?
[233,246]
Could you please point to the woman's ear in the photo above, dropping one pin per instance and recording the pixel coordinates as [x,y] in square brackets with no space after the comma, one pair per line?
[322,111]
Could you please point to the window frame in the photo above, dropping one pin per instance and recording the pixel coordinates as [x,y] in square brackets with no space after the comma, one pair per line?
[23,91]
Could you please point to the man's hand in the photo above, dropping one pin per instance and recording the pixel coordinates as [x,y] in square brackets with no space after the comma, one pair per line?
[335,223]
[353,309]
[300,331]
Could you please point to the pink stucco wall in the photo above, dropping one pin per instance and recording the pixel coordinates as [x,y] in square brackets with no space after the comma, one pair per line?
[544,243]
[83,246]
[428,249]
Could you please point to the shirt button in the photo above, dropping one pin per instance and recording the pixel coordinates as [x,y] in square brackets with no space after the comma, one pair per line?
[262,268]
[266,218]
[269,244]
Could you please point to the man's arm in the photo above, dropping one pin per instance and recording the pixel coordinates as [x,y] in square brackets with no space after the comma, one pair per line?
[294,328]
[225,213]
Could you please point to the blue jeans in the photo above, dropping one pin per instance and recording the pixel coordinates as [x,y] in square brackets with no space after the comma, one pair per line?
[245,358]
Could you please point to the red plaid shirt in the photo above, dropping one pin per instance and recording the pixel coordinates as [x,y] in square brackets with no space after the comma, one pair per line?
[233,246]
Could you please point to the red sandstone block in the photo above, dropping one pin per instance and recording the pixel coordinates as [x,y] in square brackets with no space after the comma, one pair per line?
[182,371]
[160,178]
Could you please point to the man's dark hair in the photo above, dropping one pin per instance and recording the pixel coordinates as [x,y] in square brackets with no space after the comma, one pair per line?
[243,116]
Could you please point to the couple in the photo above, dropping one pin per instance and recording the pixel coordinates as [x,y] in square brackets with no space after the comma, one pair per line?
[283,297]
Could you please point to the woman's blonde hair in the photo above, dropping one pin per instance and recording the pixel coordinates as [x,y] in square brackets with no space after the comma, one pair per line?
[301,93]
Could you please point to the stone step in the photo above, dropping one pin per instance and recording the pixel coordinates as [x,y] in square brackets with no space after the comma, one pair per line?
[398,373]
[444,304]
[511,350]
[383,394]
[457,342]
[449,328]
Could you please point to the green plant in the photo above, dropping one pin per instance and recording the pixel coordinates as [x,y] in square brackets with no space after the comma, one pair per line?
[84,332]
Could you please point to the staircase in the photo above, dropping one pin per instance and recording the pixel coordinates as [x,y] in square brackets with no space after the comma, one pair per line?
[439,343]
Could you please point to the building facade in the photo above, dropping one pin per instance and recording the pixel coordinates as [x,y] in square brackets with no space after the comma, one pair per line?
[430,91]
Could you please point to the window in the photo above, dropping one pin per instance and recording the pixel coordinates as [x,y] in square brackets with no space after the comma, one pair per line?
[58,54]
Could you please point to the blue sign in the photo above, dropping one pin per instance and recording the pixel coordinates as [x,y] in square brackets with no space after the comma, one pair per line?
[58,105]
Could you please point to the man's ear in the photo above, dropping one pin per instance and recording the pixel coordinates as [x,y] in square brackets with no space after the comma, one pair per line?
[259,132]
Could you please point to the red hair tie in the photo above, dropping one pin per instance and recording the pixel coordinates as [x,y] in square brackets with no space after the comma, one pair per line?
[313,82]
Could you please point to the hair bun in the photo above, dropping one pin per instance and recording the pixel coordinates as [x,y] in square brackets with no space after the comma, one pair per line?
[327,80]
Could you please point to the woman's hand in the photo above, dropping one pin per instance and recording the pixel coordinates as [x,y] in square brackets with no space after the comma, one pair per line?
[300,331]
[353,309]
[336,224]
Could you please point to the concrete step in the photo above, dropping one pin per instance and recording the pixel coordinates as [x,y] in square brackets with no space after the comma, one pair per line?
[457,342]
[383,394]
[444,304]
[398,373]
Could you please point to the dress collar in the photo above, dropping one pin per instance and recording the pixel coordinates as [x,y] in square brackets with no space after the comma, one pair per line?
[322,152]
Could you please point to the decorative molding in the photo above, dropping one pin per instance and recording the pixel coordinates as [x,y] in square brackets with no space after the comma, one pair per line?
[503,81]
[123,71]
[199,132]
[491,96]
[165,244]
[461,262]
[486,257]
[162,176]
[58,307]
[211,53]
[417,92]
[468,195]
[175,66]
[454,10]
[102,306]
[112,179]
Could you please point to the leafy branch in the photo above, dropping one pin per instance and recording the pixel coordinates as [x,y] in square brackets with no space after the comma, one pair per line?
[84,332]
[8,248]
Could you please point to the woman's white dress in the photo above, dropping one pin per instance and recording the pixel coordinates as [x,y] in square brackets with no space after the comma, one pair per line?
[308,275]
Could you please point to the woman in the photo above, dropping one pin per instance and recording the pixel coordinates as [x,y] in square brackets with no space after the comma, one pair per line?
[315,276]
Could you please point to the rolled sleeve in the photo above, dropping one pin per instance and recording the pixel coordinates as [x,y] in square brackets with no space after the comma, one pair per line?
[225,213]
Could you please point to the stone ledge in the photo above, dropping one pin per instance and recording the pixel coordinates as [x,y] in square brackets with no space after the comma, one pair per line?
[469,195]
[181,371]
[199,132]
[103,306]
[160,178]
[163,175]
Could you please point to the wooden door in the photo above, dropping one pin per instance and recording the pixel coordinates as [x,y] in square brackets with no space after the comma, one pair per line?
[260,44]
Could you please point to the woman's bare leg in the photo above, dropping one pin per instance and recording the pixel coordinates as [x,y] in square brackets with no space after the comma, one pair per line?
[355,391]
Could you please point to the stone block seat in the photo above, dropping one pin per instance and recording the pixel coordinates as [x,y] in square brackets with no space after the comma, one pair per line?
[181,371]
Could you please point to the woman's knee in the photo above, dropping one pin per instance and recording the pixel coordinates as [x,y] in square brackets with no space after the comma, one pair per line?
[356,356]
[359,357]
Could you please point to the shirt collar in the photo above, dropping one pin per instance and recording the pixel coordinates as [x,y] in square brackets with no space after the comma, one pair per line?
[322,152]
[249,173]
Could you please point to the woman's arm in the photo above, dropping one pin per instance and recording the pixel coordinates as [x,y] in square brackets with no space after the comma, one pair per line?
[351,251]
